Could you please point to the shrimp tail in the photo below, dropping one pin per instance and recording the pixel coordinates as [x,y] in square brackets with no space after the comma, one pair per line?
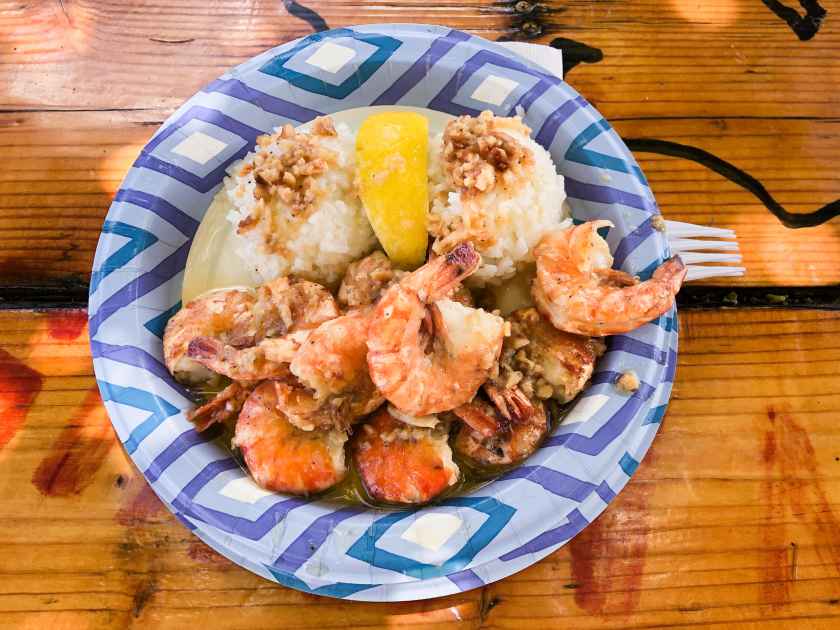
[672,273]
[238,364]
[224,406]
[440,277]
[479,420]
[300,406]
[512,403]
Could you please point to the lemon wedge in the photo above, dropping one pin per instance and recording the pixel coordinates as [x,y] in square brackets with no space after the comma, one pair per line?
[392,157]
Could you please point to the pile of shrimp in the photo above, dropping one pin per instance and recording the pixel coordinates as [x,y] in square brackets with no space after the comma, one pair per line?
[398,362]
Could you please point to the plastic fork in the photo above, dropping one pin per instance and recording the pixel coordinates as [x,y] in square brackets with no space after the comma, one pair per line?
[702,248]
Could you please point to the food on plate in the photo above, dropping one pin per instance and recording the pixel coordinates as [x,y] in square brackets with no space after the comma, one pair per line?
[580,292]
[427,353]
[435,352]
[514,293]
[282,457]
[331,367]
[296,210]
[245,333]
[498,189]
[402,463]
[545,362]
[392,155]
[500,427]
[222,407]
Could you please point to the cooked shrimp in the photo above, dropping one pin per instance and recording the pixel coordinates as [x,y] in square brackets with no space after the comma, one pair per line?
[400,463]
[580,293]
[428,354]
[332,365]
[270,358]
[462,295]
[235,332]
[544,362]
[367,279]
[302,409]
[224,314]
[224,406]
[501,432]
[510,406]
[280,456]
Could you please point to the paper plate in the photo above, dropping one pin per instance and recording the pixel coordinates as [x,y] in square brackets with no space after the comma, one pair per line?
[324,548]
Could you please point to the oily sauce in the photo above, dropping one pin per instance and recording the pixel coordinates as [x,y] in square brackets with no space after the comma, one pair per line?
[351,490]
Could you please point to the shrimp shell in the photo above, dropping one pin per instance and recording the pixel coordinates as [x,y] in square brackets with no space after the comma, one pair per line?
[224,406]
[428,354]
[281,457]
[478,442]
[244,334]
[399,463]
[579,292]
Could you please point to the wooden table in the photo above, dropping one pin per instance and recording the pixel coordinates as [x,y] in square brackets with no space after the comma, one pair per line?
[732,520]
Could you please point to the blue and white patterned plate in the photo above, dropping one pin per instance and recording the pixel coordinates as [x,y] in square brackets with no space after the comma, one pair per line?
[351,552]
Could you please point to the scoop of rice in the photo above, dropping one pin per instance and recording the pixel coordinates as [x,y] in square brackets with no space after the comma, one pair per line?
[280,234]
[504,222]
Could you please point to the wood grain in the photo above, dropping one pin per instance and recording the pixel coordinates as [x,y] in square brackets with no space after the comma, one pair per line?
[84,84]
[58,173]
[790,157]
[717,58]
[731,521]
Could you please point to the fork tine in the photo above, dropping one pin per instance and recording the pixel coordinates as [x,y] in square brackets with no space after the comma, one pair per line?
[694,251]
[698,258]
[690,245]
[700,272]
[679,229]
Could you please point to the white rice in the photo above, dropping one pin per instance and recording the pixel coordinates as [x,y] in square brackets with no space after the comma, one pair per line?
[334,234]
[517,218]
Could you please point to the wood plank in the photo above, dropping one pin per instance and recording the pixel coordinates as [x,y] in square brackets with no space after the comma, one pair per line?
[696,75]
[717,58]
[732,521]
[58,174]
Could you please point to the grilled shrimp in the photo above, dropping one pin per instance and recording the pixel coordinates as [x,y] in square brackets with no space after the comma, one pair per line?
[577,289]
[280,456]
[503,428]
[303,410]
[544,362]
[400,463]
[367,279]
[245,334]
[426,353]
[334,383]
[221,314]
[270,358]
[224,406]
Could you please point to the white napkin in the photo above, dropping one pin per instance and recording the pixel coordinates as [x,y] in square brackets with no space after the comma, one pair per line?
[548,58]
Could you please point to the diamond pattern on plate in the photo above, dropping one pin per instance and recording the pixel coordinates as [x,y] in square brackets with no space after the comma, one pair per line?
[199,147]
[331,57]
